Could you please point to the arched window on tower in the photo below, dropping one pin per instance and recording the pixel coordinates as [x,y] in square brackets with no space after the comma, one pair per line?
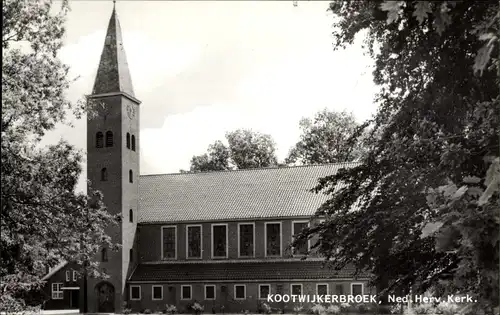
[133,143]
[99,140]
[131,215]
[104,174]
[130,176]
[104,254]
[109,138]
[131,254]
[128,140]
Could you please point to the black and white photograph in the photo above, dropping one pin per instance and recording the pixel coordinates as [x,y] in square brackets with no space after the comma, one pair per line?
[250,157]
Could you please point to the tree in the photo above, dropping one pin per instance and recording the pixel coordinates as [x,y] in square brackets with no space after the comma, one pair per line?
[216,159]
[251,149]
[247,149]
[436,160]
[43,220]
[327,138]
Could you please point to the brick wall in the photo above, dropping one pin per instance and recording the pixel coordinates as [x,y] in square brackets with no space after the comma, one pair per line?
[172,295]
[149,244]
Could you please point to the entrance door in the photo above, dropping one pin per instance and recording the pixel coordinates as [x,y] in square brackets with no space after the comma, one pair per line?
[74,298]
[105,297]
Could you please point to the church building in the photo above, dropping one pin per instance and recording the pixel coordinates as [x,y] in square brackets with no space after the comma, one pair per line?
[219,239]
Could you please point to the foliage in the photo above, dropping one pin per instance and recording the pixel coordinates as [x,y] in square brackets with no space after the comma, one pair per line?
[247,149]
[171,309]
[197,307]
[329,137]
[43,220]
[216,159]
[433,160]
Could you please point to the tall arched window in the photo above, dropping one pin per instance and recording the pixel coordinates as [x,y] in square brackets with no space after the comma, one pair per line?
[133,143]
[104,174]
[109,139]
[131,254]
[128,140]
[131,215]
[99,140]
[130,176]
[104,254]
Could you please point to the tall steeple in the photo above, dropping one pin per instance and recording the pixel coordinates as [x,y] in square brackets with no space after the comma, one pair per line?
[113,75]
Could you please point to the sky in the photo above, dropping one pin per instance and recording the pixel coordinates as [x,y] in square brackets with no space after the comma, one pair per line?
[204,68]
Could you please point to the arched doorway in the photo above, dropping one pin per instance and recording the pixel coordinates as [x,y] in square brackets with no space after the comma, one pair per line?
[105,293]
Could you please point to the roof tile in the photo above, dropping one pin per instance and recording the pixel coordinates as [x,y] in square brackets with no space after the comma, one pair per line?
[233,195]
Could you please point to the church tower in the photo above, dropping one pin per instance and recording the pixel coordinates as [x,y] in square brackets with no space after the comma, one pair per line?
[113,145]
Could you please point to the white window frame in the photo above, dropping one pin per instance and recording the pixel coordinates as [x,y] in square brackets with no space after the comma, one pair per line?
[205,292]
[176,242]
[56,291]
[281,238]
[68,276]
[327,288]
[244,291]
[293,233]
[140,293]
[153,292]
[301,288]
[264,285]
[190,292]
[212,240]
[201,240]
[239,238]
[362,287]
[75,278]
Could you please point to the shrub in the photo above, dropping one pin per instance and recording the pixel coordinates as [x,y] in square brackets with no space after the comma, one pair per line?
[171,309]
[147,311]
[197,308]
[333,309]
[318,309]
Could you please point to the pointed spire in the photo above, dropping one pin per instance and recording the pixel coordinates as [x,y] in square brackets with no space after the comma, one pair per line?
[113,75]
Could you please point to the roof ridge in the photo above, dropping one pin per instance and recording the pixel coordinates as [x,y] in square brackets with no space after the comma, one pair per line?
[253,169]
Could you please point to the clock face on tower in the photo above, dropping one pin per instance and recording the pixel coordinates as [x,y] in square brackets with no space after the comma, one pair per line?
[131,111]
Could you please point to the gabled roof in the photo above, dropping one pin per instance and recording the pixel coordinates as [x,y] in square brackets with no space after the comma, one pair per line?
[233,195]
[54,270]
[113,75]
[241,271]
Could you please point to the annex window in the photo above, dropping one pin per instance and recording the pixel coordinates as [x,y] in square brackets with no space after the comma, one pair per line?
[322,289]
[104,174]
[157,292]
[303,247]
[356,289]
[130,176]
[246,240]
[273,239]
[240,292]
[57,292]
[133,143]
[219,240]
[194,241]
[264,291]
[131,254]
[209,292]
[99,140]
[135,292]
[131,215]
[296,289]
[75,276]
[109,138]
[68,275]
[169,242]
[186,292]
[104,254]
[128,140]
